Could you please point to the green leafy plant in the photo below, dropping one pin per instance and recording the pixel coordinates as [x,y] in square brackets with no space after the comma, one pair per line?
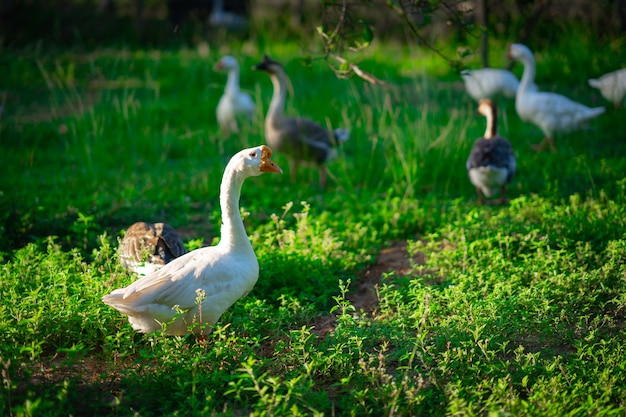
[514,310]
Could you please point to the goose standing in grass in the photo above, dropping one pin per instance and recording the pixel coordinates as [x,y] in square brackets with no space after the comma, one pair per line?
[234,103]
[301,140]
[196,288]
[491,164]
[146,247]
[549,111]
[489,83]
[221,18]
[612,86]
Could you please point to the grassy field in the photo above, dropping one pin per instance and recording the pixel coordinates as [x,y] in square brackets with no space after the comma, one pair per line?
[514,310]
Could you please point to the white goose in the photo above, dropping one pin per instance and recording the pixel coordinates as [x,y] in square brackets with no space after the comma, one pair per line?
[146,247]
[491,164]
[489,83]
[612,86]
[196,288]
[549,111]
[234,103]
[301,140]
[221,18]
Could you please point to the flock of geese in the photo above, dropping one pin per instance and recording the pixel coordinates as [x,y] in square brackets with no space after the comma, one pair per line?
[182,292]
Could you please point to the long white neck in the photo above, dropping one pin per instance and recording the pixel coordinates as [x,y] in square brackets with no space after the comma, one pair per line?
[492,125]
[277,105]
[528,77]
[232,84]
[233,231]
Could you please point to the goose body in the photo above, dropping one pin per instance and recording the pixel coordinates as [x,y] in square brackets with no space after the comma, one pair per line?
[221,18]
[196,288]
[491,164]
[146,247]
[489,83]
[612,86]
[300,139]
[234,104]
[551,112]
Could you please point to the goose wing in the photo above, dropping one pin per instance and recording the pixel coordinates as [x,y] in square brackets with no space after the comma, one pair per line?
[174,284]
[555,109]
[169,245]
[496,152]
[245,104]
[305,139]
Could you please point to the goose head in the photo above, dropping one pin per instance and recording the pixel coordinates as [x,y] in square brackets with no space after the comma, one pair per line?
[226,63]
[519,52]
[254,161]
[268,65]
[486,107]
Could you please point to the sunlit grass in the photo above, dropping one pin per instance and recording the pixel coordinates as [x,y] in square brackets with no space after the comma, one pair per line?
[516,310]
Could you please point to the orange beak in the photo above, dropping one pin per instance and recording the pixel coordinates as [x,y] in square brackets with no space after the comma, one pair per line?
[267,165]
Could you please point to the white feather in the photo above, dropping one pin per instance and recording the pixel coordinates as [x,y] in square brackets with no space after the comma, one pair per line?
[551,112]
[234,104]
[612,86]
[196,288]
[489,83]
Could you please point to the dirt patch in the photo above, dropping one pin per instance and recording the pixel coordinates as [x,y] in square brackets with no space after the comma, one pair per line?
[95,383]
[393,259]
[103,378]
[363,295]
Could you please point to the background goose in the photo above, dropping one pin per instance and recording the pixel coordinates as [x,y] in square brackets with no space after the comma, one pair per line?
[222,18]
[549,111]
[612,86]
[301,140]
[146,247]
[491,163]
[234,103]
[489,83]
[196,288]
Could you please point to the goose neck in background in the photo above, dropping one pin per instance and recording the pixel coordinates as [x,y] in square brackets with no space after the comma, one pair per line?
[528,77]
[232,84]
[277,105]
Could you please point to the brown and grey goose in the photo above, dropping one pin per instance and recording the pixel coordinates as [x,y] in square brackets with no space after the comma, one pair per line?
[146,247]
[300,140]
[491,164]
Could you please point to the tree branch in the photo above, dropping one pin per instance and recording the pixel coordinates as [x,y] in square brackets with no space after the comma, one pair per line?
[355,69]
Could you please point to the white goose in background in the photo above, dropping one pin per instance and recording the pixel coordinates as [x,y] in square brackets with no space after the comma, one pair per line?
[612,86]
[489,83]
[491,164]
[196,288]
[234,103]
[146,247]
[221,18]
[301,140]
[551,112]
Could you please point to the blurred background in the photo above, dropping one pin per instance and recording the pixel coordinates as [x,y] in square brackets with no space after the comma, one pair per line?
[160,22]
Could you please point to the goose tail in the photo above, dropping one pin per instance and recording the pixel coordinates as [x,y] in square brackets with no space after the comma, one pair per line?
[594,83]
[341,134]
[594,112]
[117,301]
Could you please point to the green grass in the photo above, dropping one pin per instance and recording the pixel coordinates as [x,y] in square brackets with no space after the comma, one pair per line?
[517,310]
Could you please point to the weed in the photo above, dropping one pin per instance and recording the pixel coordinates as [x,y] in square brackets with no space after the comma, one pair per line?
[516,310]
